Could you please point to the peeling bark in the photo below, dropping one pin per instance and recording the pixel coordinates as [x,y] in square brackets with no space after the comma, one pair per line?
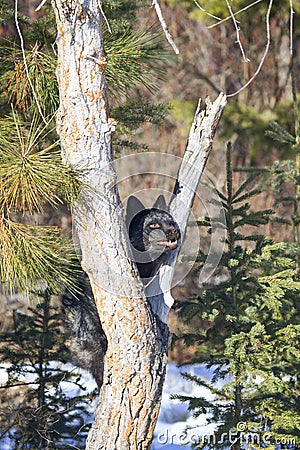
[135,362]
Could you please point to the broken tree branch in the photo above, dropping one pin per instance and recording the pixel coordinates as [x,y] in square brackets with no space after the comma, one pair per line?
[197,151]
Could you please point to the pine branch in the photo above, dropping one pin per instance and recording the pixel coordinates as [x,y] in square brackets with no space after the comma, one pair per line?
[33,256]
[132,59]
[31,171]
[17,80]
[134,113]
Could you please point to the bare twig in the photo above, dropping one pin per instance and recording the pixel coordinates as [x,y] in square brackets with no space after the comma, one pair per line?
[40,5]
[206,12]
[264,54]
[25,63]
[164,26]
[292,12]
[235,14]
[237,29]
[28,383]
[104,16]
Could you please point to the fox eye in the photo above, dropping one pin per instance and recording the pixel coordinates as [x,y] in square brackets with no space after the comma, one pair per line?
[154,225]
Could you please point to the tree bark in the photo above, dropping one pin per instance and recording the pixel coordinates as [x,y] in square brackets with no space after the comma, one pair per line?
[136,358]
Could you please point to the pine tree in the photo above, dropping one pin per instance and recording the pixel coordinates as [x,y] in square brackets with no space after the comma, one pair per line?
[250,343]
[32,177]
[34,182]
[42,416]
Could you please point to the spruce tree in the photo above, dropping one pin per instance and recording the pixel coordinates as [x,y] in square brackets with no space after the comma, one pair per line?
[250,341]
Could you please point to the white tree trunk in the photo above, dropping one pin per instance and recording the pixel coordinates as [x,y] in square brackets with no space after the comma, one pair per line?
[135,362]
[196,154]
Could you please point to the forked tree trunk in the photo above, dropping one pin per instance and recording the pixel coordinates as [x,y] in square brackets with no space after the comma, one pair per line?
[135,362]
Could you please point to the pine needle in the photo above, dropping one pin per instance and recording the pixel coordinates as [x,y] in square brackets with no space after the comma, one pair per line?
[31,171]
[40,70]
[134,58]
[33,256]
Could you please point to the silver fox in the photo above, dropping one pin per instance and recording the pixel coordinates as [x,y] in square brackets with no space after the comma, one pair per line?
[152,234]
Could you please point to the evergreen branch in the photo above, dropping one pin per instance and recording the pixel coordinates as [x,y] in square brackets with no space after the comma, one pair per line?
[31,172]
[199,404]
[262,217]
[281,220]
[121,144]
[284,274]
[189,309]
[31,255]
[217,203]
[190,339]
[254,170]
[221,195]
[133,58]
[278,133]
[254,221]
[277,137]
[202,383]
[246,183]
[241,210]
[137,112]
[236,199]
[276,247]
[289,198]
[253,237]
[41,69]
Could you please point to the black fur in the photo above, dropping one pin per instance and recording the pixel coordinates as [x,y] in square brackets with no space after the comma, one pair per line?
[88,341]
[152,233]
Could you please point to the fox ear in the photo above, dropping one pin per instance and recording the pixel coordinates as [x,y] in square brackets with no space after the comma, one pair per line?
[134,206]
[160,203]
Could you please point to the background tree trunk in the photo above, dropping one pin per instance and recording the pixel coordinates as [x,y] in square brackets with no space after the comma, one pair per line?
[135,362]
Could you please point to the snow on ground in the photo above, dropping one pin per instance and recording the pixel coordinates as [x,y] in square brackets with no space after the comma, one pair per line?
[174,416]
[171,431]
